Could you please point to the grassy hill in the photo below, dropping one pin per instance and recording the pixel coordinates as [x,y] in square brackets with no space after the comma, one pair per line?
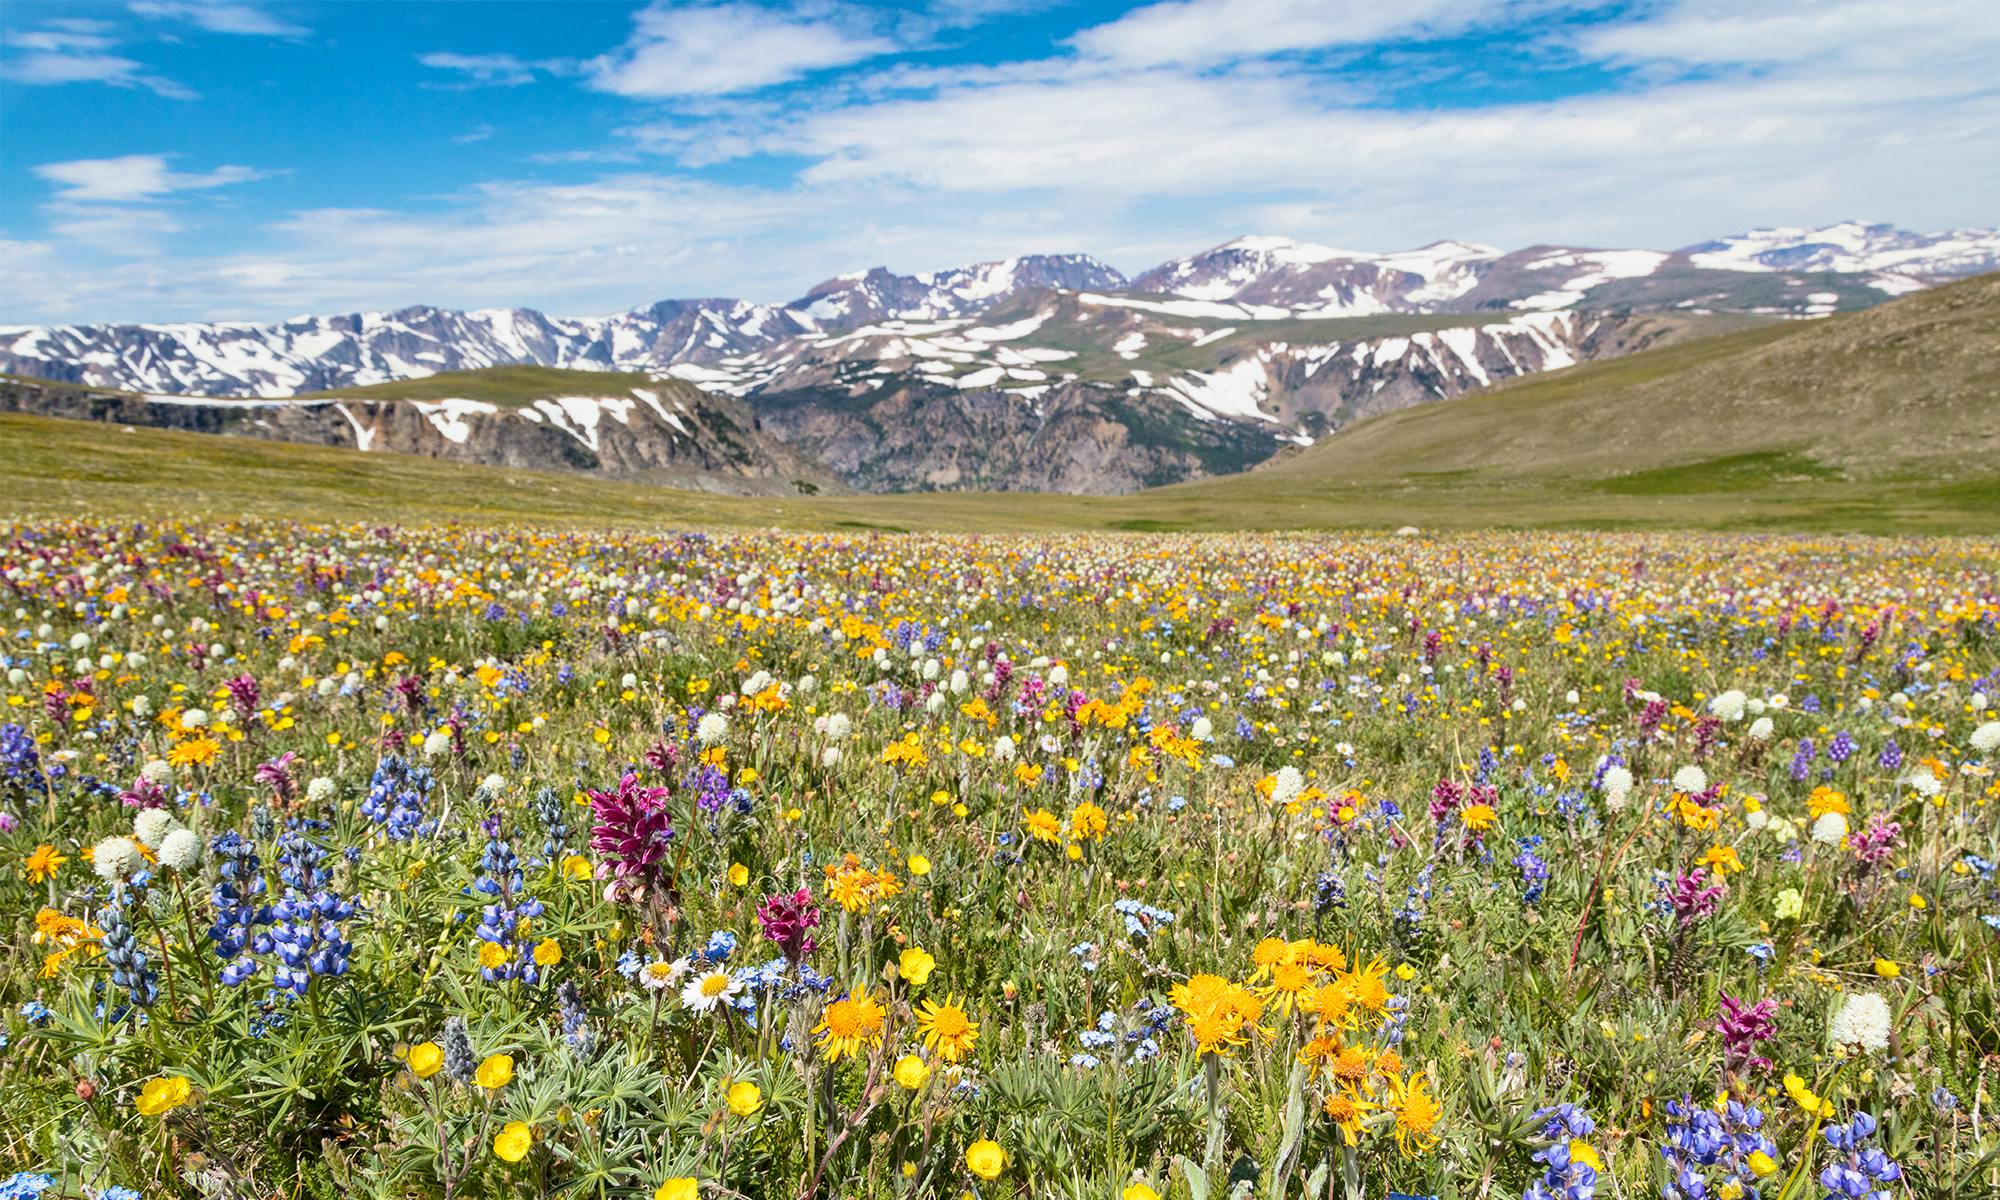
[1913,384]
[1886,420]
[508,387]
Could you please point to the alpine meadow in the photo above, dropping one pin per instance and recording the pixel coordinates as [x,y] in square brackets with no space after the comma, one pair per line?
[1483,683]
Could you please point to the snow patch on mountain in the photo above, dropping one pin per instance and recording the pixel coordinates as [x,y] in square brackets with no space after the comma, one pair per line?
[1234,392]
[1852,246]
[1587,269]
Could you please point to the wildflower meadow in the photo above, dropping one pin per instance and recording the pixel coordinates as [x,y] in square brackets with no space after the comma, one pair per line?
[450,862]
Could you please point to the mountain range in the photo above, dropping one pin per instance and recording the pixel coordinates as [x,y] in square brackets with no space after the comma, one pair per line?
[1878,421]
[1045,372]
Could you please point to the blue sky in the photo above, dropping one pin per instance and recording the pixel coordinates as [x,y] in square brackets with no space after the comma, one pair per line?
[175,159]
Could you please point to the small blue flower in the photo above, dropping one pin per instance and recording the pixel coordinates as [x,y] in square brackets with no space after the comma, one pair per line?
[25,1185]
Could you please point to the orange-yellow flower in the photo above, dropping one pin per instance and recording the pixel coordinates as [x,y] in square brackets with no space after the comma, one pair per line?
[946,1029]
[850,1023]
[43,864]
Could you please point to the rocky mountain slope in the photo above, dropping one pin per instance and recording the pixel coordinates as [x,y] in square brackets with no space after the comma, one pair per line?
[624,426]
[1046,372]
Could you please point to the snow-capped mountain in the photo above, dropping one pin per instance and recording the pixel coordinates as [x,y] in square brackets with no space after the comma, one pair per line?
[1275,277]
[1308,280]
[1050,371]
[1853,246]
[1778,272]
[311,354]
[879,294]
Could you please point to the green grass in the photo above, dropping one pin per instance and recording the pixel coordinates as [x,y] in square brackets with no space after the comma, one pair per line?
[51,468]
[509,387]
[1733,473]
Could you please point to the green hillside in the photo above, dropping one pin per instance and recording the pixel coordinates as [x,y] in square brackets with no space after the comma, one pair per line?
[508,387]
[1912,385]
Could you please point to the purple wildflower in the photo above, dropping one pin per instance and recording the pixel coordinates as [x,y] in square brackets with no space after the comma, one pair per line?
[1744,1025]
[632,831]
[788,919]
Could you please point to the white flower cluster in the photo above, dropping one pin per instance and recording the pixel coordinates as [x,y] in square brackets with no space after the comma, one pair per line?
[151,825]
[177,847]
[1986,738]
[1287,786]
[1691,780]
[116,859]
[1617,783]
[1861,1022]
[1729,705]
[712,728]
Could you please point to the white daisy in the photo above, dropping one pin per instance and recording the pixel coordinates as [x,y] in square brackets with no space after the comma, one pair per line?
[709,989]
[659,975]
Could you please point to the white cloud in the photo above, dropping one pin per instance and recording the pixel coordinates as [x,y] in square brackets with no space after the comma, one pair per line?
[85,50]
[495,70]
[134,177]
[122,206]
[1894,117]
[727,48]
[1214,31]
[120,230]
[1879,32]
[78,51]
[1877,109]
[219,17]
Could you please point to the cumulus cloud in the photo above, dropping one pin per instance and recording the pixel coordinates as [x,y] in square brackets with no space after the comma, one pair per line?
[135,177]
[219,17]
[1214,31]
[728,48]
[77,51]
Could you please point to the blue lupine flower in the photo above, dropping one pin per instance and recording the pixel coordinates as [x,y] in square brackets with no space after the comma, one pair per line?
[398,794]
[503,923]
